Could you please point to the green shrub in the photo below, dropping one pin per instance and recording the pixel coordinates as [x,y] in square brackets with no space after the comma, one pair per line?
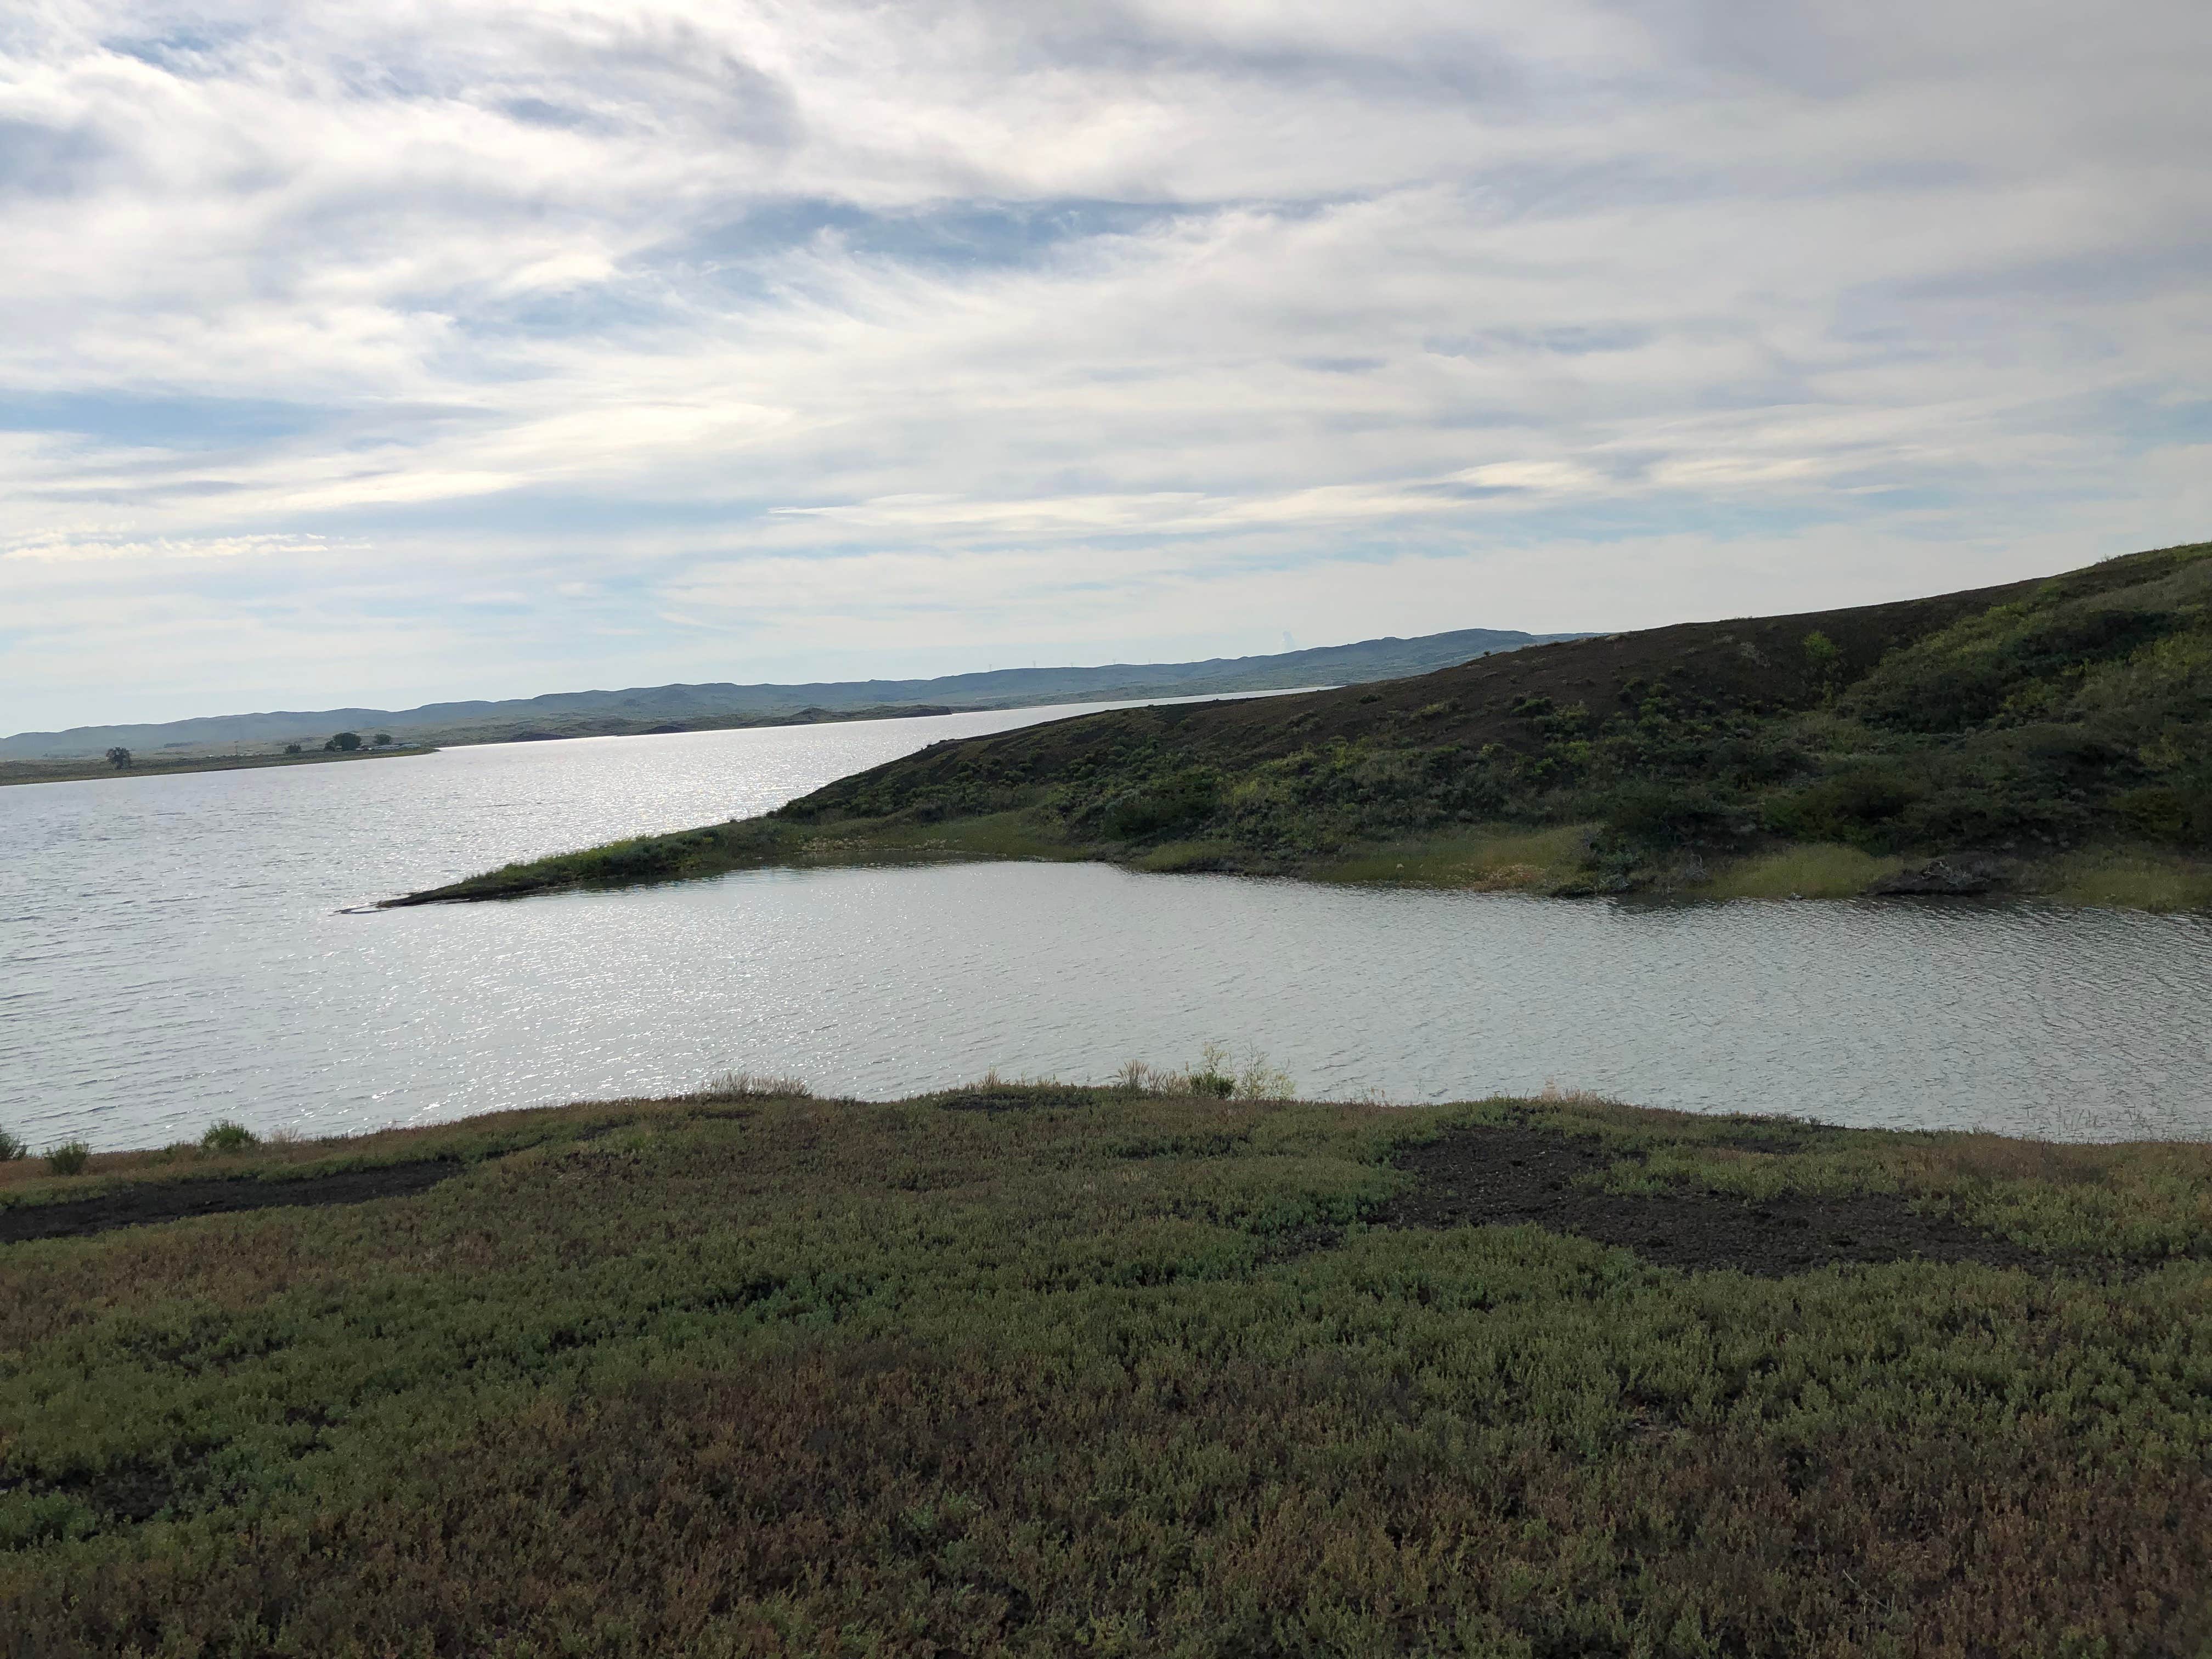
[1177,802]
[68,1159]
[1853,806]
[227,1136]
[1971,672]
[11,1147]
[2183,817]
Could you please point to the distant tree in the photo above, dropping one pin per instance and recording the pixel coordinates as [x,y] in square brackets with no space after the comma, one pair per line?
[384,740]
[291,748]
[348,741]
[118,758]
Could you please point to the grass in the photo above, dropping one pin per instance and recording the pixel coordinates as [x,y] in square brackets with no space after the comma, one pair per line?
[2132,878]
[760,843]
[1818,872]
[1031,1369]
[1485,861]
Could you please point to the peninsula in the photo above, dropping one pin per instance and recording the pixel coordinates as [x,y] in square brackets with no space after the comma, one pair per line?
[2050,737]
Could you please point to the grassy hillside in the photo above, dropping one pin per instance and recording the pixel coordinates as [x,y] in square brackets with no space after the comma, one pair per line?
[1037,1369]
[2058,732]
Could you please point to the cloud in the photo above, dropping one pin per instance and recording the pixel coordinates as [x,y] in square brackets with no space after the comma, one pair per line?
[1118,323]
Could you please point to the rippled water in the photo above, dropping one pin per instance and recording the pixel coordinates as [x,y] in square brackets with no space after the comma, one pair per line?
[170,950]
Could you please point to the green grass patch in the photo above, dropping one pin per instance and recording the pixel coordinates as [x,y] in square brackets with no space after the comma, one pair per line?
[1030,1369]
[1490,859]
[1183,856]
[2131,879]
[1822,872]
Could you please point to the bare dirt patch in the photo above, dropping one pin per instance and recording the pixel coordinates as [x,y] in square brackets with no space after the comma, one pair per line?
[1509,1176]
[175,1201]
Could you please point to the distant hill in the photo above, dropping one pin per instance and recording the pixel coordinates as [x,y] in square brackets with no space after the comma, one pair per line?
[686,708]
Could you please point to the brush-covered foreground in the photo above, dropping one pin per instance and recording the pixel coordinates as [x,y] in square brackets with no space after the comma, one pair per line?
[2058,733]
[1040,1371]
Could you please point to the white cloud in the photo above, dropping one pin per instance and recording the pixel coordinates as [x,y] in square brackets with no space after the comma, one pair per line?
[1173,317]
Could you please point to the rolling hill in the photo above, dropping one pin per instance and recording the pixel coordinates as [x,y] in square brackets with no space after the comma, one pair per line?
[2007,733]
[691,708]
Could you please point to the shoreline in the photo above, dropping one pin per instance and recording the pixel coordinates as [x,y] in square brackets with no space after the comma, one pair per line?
[1547,861]
[28,772]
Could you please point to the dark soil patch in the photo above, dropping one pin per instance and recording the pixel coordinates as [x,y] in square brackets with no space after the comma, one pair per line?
[1779,1143]
[1307,1238]
[174,1200]
[1506,1176]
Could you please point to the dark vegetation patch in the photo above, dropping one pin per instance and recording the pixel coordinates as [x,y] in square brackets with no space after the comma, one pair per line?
[725,1386]
[1509,1176]
[174,1200]
[972,1503]
[1014,1097]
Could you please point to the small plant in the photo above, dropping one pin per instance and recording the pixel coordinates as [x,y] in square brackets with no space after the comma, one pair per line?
[754,1086]
[68,1159]
[1136,1077]
[1211,1075]
[11,1147]
[291,748]
[229,1136]
[1261,1079]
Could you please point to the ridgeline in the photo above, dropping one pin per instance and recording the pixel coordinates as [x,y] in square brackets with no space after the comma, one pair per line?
[2048,736]
[653,711]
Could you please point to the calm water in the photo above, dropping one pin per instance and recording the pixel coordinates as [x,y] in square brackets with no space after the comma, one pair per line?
[172,950]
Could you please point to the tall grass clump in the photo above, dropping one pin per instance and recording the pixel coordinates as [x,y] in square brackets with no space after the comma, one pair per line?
[11,1147]
[68,1159]
[227,1135]
[1216,1074]
[756,1085]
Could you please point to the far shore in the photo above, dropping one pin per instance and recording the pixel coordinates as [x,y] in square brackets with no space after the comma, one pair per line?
[78,771]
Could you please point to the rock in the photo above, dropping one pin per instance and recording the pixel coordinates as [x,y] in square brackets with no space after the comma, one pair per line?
[1961,876]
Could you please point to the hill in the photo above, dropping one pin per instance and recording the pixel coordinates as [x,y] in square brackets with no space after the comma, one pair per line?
[2046,734]
[695,707]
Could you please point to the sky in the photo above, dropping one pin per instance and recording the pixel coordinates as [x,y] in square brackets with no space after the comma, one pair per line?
[369,354]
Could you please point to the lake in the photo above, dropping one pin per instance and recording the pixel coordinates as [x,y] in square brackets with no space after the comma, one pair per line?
[173,949]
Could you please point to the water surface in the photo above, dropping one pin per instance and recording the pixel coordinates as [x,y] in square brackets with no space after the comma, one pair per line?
[172,950]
